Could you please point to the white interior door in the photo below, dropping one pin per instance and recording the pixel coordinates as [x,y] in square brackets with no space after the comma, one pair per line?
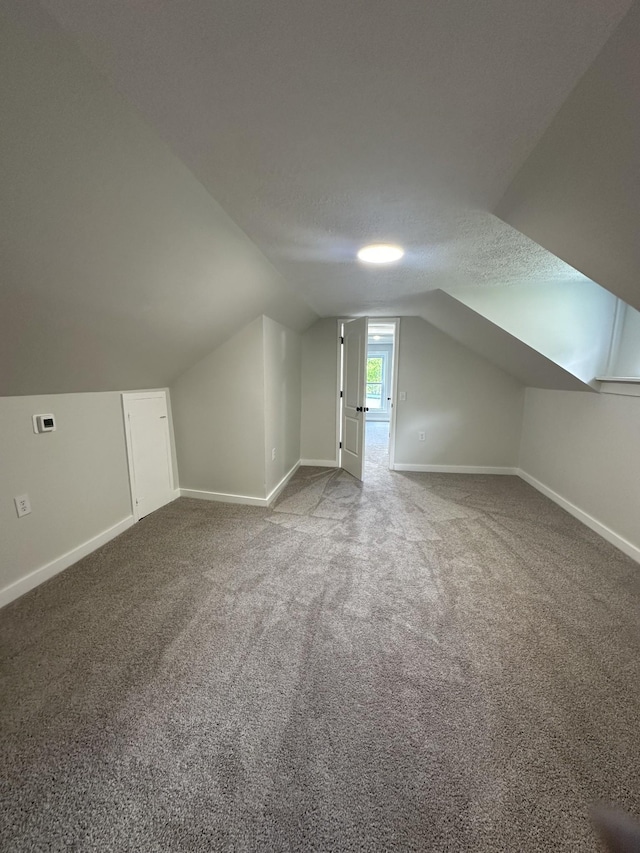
[353,397]
[149,451]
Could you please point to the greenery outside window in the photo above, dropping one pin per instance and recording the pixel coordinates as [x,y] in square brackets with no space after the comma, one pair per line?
[378,388]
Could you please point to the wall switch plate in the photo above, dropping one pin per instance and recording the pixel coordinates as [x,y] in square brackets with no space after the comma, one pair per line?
[23,505]
[273,455]
[403,396]
[421,436]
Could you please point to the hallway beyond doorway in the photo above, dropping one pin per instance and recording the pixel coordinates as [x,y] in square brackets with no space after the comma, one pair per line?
[376,444]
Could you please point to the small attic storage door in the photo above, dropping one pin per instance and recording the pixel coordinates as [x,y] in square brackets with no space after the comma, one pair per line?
[148,451]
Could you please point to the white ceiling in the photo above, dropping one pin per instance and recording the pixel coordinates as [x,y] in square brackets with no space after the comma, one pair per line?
[319,126]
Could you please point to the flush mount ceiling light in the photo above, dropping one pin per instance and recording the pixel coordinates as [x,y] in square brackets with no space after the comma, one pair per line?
[380,253]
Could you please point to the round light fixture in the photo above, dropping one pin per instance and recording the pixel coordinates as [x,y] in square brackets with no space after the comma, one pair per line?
[380,253]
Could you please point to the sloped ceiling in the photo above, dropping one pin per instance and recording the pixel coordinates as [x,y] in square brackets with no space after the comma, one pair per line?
[494,343]
[316,127]
[571,322]
[118,269]
[578,194]
[322,125]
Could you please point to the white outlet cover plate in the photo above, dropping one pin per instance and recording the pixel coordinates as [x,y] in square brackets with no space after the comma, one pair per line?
[23,505]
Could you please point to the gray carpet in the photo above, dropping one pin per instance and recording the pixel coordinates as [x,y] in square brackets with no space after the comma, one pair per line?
[423,662]
[376,445]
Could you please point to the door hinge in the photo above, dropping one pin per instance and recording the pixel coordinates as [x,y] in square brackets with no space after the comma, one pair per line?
[341,393]
[341,339]
[340,445]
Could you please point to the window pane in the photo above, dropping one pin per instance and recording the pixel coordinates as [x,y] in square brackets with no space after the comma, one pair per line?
[374,395]
[374,368]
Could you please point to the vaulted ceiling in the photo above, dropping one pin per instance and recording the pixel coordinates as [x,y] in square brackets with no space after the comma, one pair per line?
[315,128]
[320,126]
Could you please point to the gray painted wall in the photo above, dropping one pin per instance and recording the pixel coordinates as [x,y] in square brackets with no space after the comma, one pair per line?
[282,374]
[119,269]
[76,477]
[219,418]
[585,448]
[232,408]
[577,194]
[470,410]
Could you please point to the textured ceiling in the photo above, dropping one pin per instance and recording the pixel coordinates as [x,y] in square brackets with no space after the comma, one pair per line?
[578,194]
[322,126]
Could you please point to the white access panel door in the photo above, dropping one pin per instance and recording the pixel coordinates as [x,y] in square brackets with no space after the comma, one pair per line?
[148,450]
[354,367]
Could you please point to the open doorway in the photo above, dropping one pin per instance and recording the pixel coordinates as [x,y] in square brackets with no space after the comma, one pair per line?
[379,392]
[366,383]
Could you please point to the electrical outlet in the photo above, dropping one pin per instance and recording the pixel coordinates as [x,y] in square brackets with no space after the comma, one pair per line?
[23,505]
[44,423]
[273,455]
[421,436]
[403,396]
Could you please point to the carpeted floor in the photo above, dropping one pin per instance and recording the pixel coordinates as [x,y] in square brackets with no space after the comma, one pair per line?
[376,446]
[423,662]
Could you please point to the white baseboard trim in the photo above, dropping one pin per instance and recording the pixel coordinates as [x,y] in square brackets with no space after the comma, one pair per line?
[453,469]
[222,497]
[598,527]
[320,463]
[273,494]
[35,578]
[248,500]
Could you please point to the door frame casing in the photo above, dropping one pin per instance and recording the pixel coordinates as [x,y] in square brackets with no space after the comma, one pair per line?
[395,355]
[128,396]
[394,384]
